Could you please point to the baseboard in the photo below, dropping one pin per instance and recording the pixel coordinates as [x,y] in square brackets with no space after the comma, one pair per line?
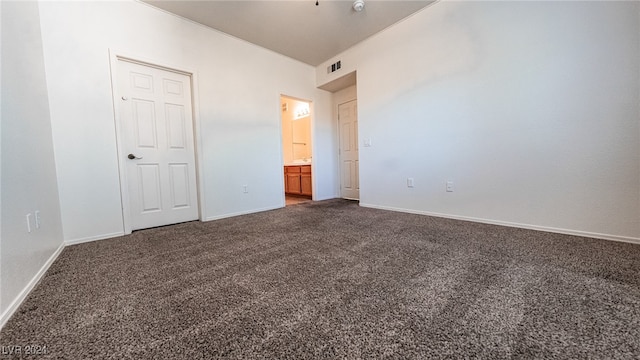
[93,238]
[328,197]
[627,239]
[223,216]
[27,289]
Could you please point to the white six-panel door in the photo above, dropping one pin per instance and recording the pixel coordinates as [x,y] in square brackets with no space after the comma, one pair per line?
[157,138]
[349,169]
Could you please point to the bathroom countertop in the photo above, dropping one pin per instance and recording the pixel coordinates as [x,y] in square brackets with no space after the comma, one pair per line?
[298,164]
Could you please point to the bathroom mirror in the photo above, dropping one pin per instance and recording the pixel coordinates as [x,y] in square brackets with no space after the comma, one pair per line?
[301,135]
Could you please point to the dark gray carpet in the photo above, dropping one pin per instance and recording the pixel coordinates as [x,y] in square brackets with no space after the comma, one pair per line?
[333,280]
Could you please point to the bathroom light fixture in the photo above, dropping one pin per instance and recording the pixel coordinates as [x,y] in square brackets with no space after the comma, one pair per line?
[302,111]
[358,5]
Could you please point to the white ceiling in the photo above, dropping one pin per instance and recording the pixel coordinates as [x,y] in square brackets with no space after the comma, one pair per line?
[296,28]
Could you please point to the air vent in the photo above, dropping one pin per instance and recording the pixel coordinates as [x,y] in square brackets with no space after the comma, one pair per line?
[334,67]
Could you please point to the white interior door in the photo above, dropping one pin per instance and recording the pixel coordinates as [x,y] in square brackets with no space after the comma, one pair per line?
[157,138]
[349,167]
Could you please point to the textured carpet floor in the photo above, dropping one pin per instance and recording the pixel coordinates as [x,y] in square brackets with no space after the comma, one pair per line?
[334,280]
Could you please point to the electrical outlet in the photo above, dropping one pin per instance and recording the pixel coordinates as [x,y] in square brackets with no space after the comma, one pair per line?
[37,216]
[449,186]
[245,189]
[410,182]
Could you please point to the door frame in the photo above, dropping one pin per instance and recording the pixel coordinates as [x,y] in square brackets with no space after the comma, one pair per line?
[313,143]
[114,57]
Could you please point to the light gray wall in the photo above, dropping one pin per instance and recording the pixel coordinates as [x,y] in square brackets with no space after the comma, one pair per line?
[238,105]
[530,108]
[28,167]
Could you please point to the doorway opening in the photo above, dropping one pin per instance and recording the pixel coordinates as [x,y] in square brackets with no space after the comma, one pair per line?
[297,153]
[344,95]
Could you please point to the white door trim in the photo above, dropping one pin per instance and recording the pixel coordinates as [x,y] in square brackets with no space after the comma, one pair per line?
[313,142]
[114,57]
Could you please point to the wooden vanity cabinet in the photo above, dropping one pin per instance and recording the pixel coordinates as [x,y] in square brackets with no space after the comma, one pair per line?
[292,180]
[297,180]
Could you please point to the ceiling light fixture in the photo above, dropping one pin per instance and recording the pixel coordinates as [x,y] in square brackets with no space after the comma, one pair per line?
[358,5]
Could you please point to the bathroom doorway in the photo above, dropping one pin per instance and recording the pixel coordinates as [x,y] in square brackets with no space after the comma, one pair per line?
[297,155]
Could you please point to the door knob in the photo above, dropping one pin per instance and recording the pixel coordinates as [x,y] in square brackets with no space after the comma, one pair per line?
[132,157]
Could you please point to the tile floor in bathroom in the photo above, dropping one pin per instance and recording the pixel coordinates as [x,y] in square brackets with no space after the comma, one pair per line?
[294,200]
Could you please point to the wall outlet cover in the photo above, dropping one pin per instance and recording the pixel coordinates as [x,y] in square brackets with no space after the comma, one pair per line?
[449,186]
[37,216]
[410,182]
[29,222]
